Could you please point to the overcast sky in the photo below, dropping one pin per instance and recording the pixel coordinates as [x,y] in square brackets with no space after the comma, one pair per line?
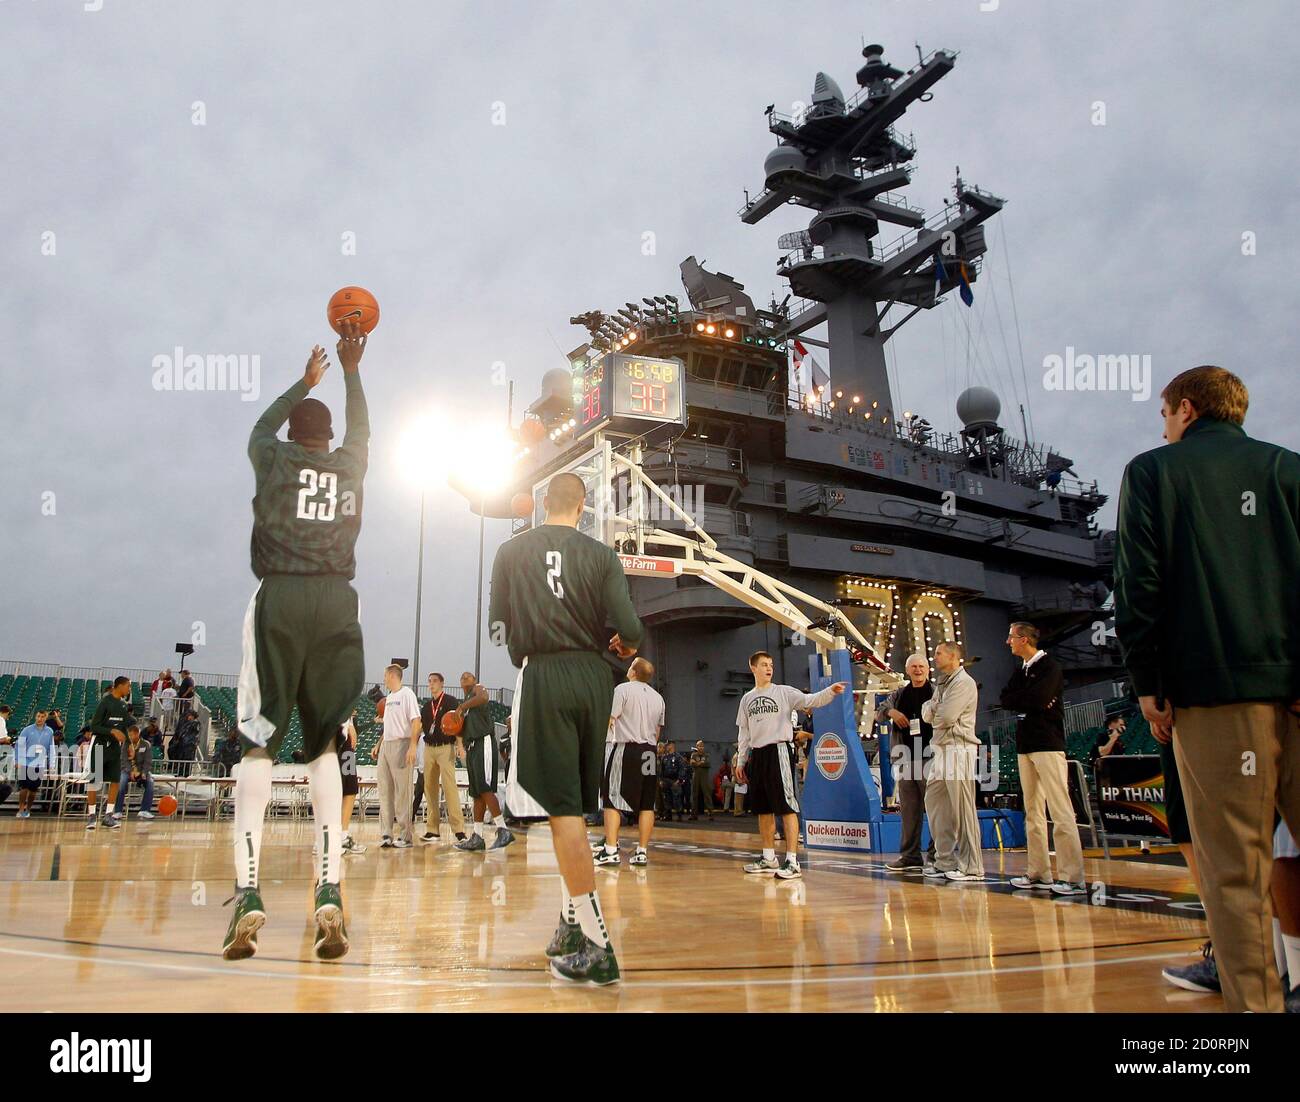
[129,231]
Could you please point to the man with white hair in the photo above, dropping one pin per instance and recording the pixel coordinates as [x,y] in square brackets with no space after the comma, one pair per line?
[949,787]
[902,710]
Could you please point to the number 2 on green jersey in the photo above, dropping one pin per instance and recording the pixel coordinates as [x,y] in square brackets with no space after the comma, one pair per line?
[553,562]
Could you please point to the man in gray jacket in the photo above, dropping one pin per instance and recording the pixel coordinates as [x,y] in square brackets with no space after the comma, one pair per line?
[137,757]
[949,780]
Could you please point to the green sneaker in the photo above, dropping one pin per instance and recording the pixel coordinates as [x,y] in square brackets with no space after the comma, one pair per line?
[331,934]
[567,939]
[249,917]
[592,963]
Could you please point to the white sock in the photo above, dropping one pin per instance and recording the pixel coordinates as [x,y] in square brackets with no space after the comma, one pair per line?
[792,857]
[769,855]
[487,818]
[590,918]
[478,829]
[567,913]
[327,810]
[1291,942]
[640,848]
[252,794]
[611,849]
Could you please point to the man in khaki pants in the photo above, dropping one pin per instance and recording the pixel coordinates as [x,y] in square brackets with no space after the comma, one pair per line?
[1207,611]
[395,755]
[1035,692]
[439,763]
[950,774]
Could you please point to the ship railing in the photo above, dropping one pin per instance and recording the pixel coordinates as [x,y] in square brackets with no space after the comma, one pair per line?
[765,493]
[769,401]
[695,454]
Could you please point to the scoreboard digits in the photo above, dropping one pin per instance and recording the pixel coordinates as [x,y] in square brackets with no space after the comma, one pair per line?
[620,386]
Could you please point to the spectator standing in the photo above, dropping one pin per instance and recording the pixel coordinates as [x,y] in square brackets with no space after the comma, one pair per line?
[1034,692]
[950,776]
[167,706]
[910,750]
[34,751]
[440,763]
[673,775]
[4,724]
[1212,647]
[701,795]
[185,743]
[723,784]
[395,753]
[185,691]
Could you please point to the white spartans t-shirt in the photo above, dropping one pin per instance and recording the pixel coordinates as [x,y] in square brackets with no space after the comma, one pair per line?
[400,708]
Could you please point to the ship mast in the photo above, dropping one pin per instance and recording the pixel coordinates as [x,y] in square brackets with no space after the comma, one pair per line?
[846,161]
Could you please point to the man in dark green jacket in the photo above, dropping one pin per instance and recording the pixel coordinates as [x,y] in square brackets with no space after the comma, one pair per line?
[1207,610]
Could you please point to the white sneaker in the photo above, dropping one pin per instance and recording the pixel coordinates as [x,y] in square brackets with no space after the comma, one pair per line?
[401,843]
[90,822]
[639,858]
[763,867]
[1023,883]
[958,875]
[145,815]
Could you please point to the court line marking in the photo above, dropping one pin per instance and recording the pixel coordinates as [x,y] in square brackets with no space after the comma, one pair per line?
[460,982]
[79,943]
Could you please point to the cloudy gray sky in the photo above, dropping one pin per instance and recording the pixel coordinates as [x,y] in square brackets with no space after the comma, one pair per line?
[327,118]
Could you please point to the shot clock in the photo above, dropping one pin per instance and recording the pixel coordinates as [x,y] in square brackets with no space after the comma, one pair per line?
[623,390]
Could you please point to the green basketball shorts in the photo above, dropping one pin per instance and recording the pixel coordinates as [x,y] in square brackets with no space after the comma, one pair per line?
[302,646]
[558,725]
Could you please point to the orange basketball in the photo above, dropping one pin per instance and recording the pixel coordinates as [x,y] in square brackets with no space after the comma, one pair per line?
[379,706]
[532,431]
[167,806]
[353,302]
[522,505]
[451,724]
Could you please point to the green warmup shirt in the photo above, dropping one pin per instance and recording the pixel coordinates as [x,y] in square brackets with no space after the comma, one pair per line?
[478,725]
[555,589]
[110,715]
[307,510]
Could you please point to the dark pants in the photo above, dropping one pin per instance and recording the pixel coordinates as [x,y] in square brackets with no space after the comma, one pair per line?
[700,792]
[909,786]
[419,787]
[672,796]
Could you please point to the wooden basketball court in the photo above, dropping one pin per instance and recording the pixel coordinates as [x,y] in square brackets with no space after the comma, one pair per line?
[133,920]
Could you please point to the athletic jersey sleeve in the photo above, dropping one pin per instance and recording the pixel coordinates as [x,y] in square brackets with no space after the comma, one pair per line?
[743,734]
[794,699]
[263,439]
[616,708]
[499,600]
[618,603]
[356,440]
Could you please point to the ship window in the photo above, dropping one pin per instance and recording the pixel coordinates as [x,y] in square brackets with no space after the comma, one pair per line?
[705,367]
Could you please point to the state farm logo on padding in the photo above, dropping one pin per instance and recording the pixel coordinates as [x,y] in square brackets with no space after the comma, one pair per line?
[830,755]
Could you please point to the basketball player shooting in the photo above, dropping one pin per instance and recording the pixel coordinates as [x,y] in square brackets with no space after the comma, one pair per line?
[302,641]
[554,590]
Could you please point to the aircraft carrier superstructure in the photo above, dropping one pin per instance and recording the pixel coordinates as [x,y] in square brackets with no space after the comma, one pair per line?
[824,482]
